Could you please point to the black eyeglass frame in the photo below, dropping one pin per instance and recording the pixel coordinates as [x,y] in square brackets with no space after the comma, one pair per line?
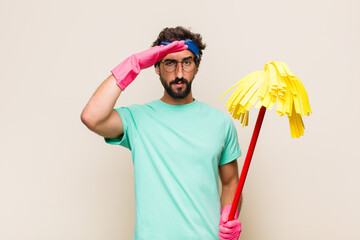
[182,66]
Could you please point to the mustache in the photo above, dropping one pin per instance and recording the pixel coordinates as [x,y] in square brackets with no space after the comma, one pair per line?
[179,80]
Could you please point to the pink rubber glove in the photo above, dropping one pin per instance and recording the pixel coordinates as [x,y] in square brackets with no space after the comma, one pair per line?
[229,230]
[127,71]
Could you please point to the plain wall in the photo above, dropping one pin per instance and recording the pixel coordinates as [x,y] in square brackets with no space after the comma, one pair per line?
[60,181]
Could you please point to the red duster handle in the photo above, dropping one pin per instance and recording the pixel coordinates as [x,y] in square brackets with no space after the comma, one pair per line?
[247,163]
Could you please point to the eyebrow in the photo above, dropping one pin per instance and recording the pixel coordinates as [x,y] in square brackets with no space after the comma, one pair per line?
[187,58]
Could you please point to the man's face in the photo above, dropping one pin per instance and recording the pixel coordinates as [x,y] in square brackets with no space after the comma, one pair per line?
[177,83]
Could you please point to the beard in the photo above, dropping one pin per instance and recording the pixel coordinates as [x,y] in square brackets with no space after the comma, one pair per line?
[177,93]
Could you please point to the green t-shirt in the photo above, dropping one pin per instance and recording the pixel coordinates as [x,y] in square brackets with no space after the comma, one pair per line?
[176,151]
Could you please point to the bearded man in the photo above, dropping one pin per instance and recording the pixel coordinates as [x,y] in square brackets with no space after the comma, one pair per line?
[180,146]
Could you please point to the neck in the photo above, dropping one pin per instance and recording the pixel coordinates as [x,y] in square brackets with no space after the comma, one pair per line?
[174,101]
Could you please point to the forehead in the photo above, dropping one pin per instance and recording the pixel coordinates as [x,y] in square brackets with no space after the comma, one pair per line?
[179,55]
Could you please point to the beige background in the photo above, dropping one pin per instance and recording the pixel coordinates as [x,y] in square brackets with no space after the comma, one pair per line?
[60,181]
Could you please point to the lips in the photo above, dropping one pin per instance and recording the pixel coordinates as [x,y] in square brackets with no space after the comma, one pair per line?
[178,82]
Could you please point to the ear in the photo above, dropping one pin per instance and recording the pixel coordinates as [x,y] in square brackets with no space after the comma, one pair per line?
[196,70]
[157,69]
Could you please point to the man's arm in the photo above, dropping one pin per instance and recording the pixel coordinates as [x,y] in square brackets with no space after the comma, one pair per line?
[98,115]
[229,230]
[229,178]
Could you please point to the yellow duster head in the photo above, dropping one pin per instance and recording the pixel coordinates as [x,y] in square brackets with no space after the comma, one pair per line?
[275,83]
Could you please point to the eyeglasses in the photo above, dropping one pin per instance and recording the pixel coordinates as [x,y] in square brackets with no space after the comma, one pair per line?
[188,65]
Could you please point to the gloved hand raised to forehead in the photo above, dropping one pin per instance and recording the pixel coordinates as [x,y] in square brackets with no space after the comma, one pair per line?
[229,230]
[128,70]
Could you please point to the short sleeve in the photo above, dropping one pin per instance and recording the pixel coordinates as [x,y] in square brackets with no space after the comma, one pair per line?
[231,150]
[127,119]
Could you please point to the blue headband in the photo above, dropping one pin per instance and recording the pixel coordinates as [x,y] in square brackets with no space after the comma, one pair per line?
[191,46]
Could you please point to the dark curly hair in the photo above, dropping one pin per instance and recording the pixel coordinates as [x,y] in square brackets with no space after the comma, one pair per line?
[181,33]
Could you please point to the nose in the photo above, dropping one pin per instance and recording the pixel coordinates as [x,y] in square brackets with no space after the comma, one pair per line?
[179,70]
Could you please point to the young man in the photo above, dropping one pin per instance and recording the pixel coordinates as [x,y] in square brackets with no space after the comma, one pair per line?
[179,146]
